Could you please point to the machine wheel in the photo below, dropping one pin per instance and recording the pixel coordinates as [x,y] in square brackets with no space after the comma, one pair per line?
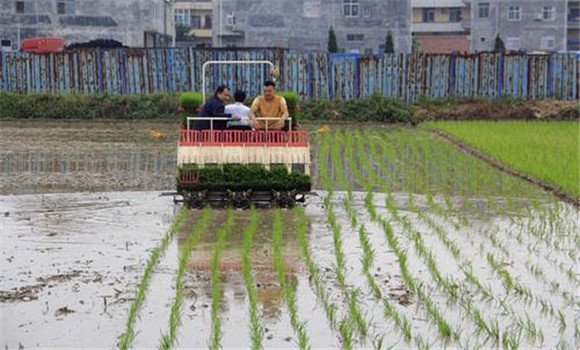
[286,199]
[240,199]
[197,200]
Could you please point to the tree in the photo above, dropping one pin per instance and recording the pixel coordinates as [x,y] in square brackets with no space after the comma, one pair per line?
[389,44]
[332,45]
[498,45]
[182,33]
[415,46]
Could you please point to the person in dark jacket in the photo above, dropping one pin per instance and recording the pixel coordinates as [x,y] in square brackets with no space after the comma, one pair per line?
[214,107]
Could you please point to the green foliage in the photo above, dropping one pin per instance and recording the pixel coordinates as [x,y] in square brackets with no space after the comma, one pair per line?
[389,43]
[498,45]
[244,177]
[182,33]
[87,106]
[376,108]
[292,101]
[530,147]
[332,43]
[191,100]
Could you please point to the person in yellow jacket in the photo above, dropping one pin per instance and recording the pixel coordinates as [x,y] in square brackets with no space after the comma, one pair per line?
[269,106]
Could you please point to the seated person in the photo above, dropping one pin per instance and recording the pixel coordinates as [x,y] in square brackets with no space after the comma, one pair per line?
[214,108]
[240,110]
[269,106]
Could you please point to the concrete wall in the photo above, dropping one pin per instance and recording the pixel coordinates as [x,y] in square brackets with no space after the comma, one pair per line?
[304,24]
[531,31]
[122,20]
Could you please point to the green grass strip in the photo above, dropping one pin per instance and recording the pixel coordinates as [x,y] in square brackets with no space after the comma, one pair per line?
[548,151]
[288,291]
[256,327]
[168,339]
[224,230]
[127,338]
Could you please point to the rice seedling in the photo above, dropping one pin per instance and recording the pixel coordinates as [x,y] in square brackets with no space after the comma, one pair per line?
[445,283]
[256,327]
[288,292]
[521,144]
[126,339]
[168,339]
[223,231]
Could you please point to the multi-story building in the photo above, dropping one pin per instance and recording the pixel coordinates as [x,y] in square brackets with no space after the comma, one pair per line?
[573,25]
[527,25]
[137,23]
[441,26]
[360,25]
[193,22]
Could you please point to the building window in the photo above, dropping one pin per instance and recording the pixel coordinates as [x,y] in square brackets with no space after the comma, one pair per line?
[428,15]
[24,7]
[455,14]
[355,37]
[182,16]
[548,43]
[195,21]
[513,44]
[65,7]
[207,23]
[483,10]
[351,8]
[514,13]
[367,12]
[230,20]
[311,9]
[574,14]
[548,13]
[5,43]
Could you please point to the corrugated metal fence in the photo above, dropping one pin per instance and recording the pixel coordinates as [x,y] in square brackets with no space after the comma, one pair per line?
[311,74]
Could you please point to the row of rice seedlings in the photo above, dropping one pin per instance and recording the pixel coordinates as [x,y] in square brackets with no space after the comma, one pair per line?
[168,339]
[256,327]
[536,227]
[467,268]
[388,150]
[357,320]
[128,336]
[534,269]
[278,260]
[450,287]
[524,293]
[443,327]
[340,178]
[435,207]
[368,252]
[223,232]
[320,291]
[528,327]
[523,237]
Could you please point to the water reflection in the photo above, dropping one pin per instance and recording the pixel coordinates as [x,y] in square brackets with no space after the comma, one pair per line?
[270,296]
[82,170]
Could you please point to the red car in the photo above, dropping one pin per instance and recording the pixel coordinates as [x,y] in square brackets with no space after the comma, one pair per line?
[42,45]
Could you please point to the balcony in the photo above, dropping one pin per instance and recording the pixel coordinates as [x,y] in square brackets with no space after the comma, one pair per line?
[434,27]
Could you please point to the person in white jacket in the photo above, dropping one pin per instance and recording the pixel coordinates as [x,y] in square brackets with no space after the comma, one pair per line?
[241,111]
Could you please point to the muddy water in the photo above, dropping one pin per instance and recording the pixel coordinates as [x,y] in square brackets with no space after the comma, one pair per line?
[74,247]
[56,157]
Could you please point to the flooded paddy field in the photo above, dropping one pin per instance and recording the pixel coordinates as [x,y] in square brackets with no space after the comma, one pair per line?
[408,243]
